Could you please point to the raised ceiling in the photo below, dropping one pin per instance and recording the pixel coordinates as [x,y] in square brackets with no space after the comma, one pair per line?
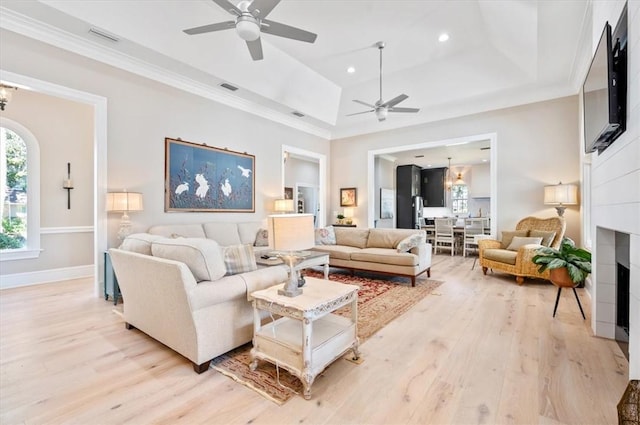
[500,54]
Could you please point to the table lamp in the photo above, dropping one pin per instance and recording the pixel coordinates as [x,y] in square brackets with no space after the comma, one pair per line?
[348,215]
[561,195]
[124,202]
[289,234]
[283,205]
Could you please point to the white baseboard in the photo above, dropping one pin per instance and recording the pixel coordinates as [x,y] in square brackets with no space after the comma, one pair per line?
[45,276]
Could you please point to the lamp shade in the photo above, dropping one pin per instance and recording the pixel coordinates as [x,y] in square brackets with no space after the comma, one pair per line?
[283,205]
[291,232]
[561,194]
[348,212]
[124,201]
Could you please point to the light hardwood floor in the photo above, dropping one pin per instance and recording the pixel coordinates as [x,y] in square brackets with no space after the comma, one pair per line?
[480,350]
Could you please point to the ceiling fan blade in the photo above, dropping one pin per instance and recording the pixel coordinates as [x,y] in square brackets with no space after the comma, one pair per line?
[211,27]
[282,30]
[364,103]
[255,48]
[228,6]
[358,113]
[404,110]
[261,8]
[395,100]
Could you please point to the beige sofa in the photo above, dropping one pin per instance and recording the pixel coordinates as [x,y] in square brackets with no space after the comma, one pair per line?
[377,250]
[190,305]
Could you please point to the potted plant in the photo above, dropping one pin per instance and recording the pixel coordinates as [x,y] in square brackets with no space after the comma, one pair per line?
[568,266]
[340,218]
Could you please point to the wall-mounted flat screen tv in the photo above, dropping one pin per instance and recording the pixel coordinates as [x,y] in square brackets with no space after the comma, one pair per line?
[604,90]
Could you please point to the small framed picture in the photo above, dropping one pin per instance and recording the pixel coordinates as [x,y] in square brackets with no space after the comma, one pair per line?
[348,197]
[288,193]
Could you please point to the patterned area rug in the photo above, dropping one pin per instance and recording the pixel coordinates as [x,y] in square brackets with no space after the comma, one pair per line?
[379,302]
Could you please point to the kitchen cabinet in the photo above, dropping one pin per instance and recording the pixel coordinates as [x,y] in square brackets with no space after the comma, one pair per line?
[432,186]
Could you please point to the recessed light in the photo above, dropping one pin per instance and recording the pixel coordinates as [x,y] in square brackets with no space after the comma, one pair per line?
[351,70]
[484,160]
[443,37]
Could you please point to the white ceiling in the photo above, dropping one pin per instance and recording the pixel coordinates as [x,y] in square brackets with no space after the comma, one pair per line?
[501,53]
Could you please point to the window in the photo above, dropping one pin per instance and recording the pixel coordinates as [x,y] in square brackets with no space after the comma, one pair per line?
[20,184]
[14,182]
[459,199]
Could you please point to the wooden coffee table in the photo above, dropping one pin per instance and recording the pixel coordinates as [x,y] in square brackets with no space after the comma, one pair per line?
[308,337]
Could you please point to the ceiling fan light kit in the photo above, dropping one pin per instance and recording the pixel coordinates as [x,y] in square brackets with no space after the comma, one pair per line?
[382,108]
[250,23]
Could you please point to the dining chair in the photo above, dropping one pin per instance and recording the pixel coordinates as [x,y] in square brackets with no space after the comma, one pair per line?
[472,227]
[444,235]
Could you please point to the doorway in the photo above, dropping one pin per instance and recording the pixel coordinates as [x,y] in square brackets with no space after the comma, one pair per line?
[421,149]
[305,173]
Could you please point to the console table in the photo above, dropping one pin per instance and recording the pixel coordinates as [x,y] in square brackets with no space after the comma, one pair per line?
[307,337]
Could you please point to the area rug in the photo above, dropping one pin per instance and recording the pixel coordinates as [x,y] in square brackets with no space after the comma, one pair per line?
[379,302]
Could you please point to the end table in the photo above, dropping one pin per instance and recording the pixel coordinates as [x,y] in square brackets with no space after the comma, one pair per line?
[308,337]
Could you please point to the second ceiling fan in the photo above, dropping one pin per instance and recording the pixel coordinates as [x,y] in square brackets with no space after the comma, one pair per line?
[382,108]
[250,22]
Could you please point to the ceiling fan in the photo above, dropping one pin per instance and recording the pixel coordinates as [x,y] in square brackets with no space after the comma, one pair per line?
[383,108]
[250,22]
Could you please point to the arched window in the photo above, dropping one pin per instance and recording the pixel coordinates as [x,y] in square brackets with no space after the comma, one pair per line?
[20,184]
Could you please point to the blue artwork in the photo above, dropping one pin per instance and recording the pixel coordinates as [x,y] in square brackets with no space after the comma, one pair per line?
[203,178]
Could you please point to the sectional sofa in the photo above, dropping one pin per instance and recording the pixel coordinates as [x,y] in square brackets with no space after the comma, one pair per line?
[177,289]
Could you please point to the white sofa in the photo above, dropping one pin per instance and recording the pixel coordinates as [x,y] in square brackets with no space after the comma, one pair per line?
[377,250]
[188,305]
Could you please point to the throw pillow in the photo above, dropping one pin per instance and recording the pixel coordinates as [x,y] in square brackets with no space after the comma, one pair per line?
[139,242]
[202,256]
[262,238]
[519,241]
[508,235]
[547,236]
[411,241]
[325,236]
[239,259]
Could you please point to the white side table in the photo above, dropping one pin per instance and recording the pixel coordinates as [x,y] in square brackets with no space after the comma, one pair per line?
[307,338]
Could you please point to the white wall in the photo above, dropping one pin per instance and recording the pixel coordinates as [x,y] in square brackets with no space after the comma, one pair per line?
[385,176]
[537,145]
[615,190]
[64,130]
[141,113]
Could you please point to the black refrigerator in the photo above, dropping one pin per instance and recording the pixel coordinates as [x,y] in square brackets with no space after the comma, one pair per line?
[409,204]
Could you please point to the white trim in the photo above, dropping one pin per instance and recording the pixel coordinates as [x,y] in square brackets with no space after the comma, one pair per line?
[322,186]
[49,34]
[99,104]
[32,250]
[493,142]
[45,276]
[19,254]
[64,230]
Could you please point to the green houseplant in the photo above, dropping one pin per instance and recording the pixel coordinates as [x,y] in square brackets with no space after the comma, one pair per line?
[568,267]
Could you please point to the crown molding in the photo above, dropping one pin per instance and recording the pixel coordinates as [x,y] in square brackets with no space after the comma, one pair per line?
[41,31]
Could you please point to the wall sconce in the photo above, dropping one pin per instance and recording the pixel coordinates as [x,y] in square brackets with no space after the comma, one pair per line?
[68,184]
[283,205]
[5,95]
[561,195]
[124,202]
[459,179]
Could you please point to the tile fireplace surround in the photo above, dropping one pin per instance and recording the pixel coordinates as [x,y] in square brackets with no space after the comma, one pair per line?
[612,247]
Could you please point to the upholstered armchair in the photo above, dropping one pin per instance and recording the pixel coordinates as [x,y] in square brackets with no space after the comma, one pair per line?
[514,252]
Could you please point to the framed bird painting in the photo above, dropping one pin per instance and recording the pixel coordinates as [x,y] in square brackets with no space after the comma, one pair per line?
[201,178]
